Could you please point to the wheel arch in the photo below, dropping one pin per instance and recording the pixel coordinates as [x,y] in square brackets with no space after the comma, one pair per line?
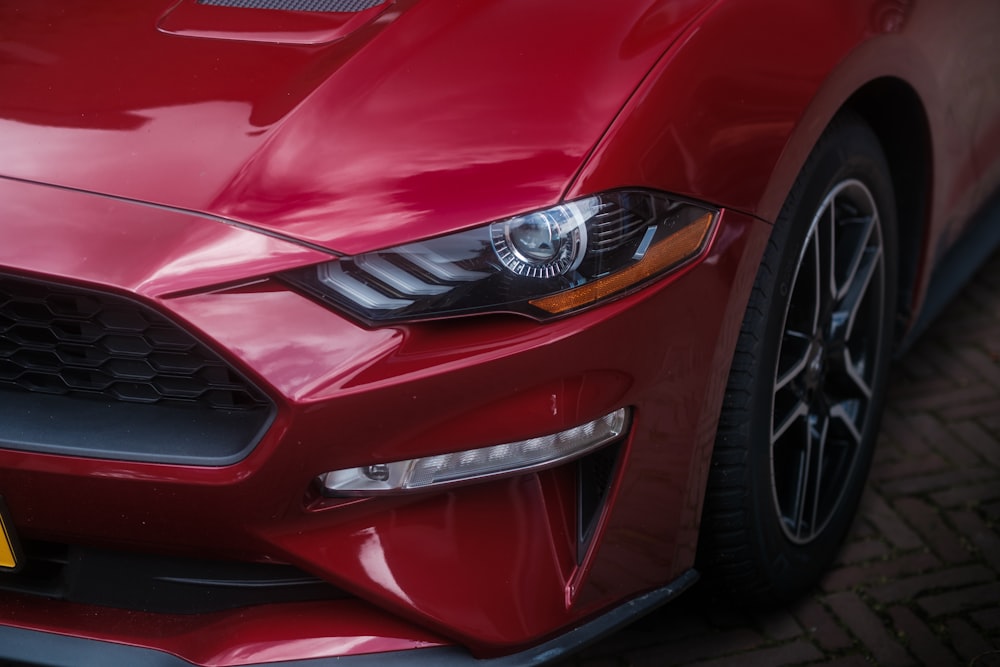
[739,546]
[892,108]
[749,118]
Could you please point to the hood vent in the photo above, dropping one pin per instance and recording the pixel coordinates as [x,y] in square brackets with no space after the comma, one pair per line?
[324,6]
[284,22]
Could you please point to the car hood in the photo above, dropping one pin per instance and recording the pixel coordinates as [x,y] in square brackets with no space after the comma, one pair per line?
[346,131]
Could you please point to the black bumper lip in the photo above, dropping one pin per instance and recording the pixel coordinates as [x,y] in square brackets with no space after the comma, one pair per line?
[51,650]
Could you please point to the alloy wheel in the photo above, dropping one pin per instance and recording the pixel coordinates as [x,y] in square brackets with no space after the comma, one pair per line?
[827,360]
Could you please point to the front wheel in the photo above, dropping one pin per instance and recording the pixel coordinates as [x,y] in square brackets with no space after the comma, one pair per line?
[807,385]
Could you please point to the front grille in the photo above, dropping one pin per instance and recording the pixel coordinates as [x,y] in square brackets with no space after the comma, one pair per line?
[90,373]
[158,584]
[66,340]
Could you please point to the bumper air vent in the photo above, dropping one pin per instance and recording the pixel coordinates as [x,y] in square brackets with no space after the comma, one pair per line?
[158,584]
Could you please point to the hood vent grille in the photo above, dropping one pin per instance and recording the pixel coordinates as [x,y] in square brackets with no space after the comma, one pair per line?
[322,6]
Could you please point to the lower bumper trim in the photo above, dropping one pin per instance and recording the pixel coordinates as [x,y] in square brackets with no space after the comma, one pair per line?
[50,650]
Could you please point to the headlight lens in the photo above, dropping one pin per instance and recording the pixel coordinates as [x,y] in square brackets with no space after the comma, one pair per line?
[542,264]
[545,244]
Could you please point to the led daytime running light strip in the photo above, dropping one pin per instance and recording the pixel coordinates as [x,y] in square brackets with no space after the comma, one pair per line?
[476,464]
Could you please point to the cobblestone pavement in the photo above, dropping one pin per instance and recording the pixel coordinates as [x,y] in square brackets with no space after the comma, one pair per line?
[918,579]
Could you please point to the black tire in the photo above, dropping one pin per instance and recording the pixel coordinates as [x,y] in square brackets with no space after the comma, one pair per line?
[807,385]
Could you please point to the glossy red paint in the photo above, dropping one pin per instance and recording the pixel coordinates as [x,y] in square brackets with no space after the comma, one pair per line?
[132,248]
[186,155]
[190,18]
[348,394]
[291,632]
[756,101]
[486,147]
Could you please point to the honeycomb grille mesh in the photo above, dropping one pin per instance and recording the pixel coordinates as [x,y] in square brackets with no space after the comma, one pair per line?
[347,6]
[63,340]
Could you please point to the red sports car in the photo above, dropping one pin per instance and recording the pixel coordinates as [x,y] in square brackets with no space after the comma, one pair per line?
[452,332]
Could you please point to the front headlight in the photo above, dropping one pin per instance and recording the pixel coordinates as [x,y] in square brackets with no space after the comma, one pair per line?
[542,264]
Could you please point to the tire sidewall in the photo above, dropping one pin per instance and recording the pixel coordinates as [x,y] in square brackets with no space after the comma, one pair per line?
[850,152]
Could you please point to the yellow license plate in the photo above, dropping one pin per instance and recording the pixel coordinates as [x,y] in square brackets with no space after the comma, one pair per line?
[9,552]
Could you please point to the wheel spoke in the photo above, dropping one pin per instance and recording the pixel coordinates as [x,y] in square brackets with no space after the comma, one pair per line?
[855,293]
[801,409]
[817,301]
[831,249]
[800,360]
[818,453]
[856,372]
[802,320]
[801,488]
[855,238]
[809,483]
[848,414]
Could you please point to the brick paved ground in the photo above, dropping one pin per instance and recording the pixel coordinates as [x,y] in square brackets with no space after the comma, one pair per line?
[918,580]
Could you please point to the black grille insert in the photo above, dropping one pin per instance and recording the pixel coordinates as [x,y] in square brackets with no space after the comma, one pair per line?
[129,382]
[66,340]
[158,584]
[324,6]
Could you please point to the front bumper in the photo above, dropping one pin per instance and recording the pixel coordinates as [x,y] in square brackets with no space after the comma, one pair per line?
[67,651]
[494,567]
